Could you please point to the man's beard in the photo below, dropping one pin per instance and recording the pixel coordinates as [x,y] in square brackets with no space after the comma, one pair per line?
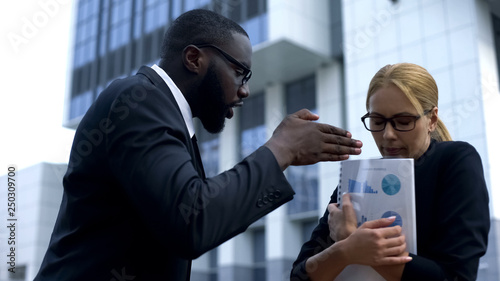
[213,108]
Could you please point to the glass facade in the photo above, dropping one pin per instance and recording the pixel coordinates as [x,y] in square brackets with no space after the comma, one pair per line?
[86,32]
[307,229]
[496,35]
[304,179]
[252,126]
[156,14]
[115,37]
[259,254]
[209,150]
[252,14]
[80,104]
[121,12]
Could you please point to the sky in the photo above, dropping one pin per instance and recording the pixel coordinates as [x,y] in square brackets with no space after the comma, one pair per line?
[35,47]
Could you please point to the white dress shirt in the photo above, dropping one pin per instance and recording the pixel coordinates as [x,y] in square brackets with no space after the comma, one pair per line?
[179,98]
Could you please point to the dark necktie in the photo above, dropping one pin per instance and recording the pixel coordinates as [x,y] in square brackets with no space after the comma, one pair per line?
[198,164]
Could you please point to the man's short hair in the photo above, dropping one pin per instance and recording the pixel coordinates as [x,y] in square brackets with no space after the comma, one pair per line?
[197,27]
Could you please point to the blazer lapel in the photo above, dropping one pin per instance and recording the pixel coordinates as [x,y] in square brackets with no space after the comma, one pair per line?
[162,86]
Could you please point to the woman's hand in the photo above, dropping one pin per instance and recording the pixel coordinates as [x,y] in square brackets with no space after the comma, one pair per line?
[374,244]
[342,222]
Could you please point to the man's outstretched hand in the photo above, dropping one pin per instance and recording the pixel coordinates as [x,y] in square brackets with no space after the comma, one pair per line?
[299,141]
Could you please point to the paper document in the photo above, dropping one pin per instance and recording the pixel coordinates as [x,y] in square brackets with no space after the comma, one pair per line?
[379,188]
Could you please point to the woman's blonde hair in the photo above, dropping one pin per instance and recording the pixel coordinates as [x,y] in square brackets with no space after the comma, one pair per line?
[418,86]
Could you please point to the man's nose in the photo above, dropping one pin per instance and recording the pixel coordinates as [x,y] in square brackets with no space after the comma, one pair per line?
[244,91]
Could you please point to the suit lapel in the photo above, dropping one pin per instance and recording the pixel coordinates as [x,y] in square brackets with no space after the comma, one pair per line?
[162,86]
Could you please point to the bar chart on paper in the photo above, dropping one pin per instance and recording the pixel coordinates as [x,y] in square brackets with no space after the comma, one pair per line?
[358,187]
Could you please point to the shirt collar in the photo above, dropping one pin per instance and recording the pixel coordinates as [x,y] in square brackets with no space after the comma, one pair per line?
[179,98]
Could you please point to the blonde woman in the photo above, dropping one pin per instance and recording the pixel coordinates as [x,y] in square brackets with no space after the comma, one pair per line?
[451,195]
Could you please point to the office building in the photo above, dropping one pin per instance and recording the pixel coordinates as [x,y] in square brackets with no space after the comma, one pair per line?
[37,195]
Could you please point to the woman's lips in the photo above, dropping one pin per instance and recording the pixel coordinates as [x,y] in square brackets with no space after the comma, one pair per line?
[392,151]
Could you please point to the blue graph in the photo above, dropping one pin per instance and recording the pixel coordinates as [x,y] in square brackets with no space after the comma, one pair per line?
[363,220]
[398,221]
[358,187]
[391,184]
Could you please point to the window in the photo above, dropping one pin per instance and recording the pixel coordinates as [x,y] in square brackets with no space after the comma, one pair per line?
[209,149]
[251,14]
[259,254]
[253,9]
[204,3]
[304,179]
[233,10]
[176,8]
[19,275]
[307,229]
[80,104]
[121,12]
[138,18]
[212,263]
[257,29]
[190,5]
[156,15]
[86,32]
[103,40]
[252,126]
[496,35]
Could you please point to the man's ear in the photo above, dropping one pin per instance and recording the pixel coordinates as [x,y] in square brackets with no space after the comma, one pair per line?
[192,59]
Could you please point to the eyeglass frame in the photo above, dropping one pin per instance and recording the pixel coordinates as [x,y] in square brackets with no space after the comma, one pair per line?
[393,124]
[247,72]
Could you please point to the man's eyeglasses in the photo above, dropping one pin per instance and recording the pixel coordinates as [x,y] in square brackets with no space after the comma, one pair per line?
[402,123]
[247,73]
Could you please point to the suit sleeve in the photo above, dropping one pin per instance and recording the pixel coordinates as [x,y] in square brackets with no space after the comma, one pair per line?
[461,232]
[148,155]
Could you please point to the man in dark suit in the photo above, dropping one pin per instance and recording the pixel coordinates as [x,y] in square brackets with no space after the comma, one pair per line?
[136,203]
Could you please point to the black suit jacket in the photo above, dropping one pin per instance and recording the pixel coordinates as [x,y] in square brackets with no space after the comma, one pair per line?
[136,205]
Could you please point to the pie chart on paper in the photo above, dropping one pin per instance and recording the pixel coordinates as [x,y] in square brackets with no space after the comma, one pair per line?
[391,184]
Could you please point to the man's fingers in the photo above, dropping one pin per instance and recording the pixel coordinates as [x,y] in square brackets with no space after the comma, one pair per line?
[332,157]
[341,145]
[298,141]
[338,145]
[305,114]
[342,140]
[333,131]
[338,136]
